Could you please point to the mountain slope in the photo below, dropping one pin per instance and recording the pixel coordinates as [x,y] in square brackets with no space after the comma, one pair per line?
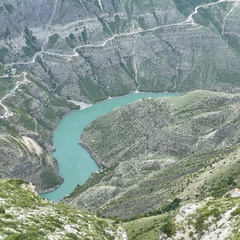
[153,151]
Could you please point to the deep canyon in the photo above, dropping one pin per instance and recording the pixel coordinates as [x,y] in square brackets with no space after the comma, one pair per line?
[55,55]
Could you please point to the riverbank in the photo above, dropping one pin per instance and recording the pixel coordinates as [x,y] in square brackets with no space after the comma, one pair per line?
[82,105]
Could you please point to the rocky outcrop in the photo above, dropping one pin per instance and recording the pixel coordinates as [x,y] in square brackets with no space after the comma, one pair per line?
[209,219]
[25,215]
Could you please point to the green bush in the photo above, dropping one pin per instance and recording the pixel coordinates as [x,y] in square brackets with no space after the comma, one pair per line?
[168,228]
[2,210]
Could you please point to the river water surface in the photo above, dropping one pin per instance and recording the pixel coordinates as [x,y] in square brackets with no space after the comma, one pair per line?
[75,164]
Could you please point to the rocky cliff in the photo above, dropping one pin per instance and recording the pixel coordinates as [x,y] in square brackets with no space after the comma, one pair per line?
[89,50]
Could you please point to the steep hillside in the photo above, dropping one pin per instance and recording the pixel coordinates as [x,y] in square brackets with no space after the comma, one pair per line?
[198,120]
[155,151]
[29,115]
[106,48]
[23,215]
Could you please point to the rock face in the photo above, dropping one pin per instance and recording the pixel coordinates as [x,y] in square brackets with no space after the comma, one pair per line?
[89,50]
[24,215]
[155,150]
[209,219]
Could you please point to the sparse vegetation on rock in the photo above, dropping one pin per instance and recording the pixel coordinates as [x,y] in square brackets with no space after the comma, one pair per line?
[23,215]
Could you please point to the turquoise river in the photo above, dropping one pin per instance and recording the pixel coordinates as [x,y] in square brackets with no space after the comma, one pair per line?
[75,164]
